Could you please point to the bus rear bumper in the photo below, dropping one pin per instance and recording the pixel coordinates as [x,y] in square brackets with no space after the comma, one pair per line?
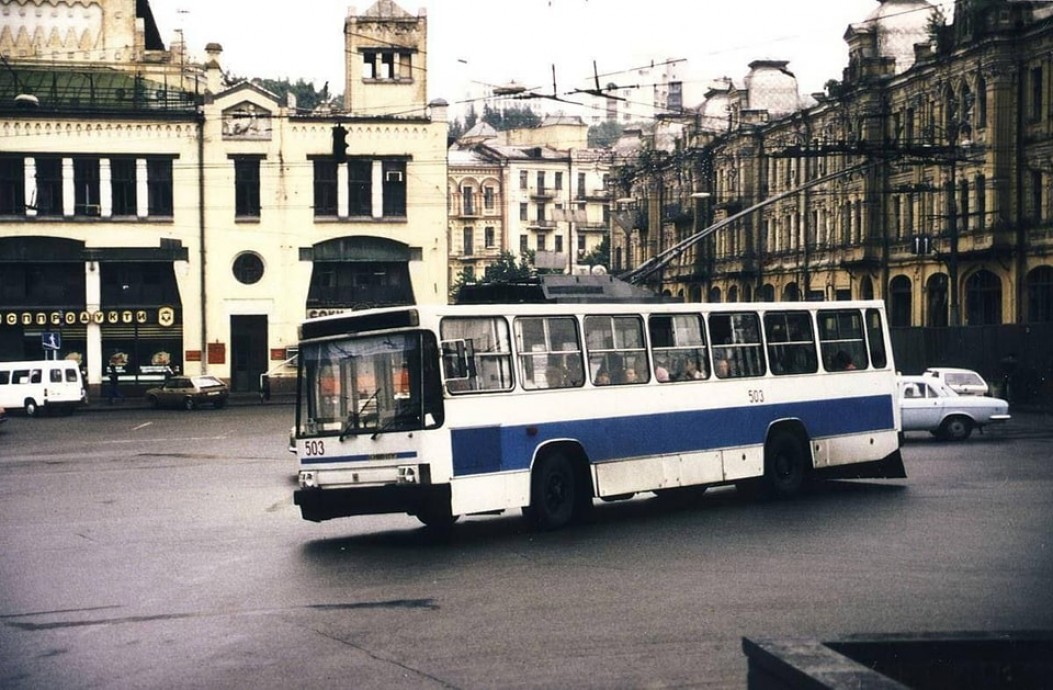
[318,504]
[888,467]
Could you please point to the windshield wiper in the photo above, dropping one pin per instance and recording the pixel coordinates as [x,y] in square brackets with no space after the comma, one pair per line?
[352,419]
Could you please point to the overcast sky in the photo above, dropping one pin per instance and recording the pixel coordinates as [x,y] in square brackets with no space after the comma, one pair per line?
[471,41]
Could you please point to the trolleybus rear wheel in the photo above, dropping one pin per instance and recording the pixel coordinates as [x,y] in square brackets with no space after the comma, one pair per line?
[553,492]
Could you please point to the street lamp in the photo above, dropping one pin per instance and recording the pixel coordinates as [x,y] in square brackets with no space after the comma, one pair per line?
[955,139]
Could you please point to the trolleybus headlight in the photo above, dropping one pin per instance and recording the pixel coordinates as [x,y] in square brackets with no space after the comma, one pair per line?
[308,480]
[407,474]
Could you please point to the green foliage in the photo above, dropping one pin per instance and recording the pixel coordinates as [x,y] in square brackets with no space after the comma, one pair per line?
[307,96]
[605,134]
[601,255]
[510,118]
[506,269]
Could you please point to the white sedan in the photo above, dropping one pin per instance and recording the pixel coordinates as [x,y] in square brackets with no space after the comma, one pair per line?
[930,405]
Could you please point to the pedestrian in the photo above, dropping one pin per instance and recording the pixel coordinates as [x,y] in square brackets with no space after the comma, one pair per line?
[114,391]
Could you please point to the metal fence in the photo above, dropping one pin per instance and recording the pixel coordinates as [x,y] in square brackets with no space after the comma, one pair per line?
[1016,360]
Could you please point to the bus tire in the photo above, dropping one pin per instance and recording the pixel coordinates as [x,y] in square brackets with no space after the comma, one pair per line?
[437,519]
[554,489]
[785,465]
[31,407]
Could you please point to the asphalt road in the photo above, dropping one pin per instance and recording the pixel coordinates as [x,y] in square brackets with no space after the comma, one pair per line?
[160,549]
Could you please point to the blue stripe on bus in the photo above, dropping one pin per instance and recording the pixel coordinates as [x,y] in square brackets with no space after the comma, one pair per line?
[402,455]
[503,448]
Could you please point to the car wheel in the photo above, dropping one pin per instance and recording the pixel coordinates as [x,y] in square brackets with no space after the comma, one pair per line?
[219,404]
[189,404]
[153,401]
[32,410]
[956,428]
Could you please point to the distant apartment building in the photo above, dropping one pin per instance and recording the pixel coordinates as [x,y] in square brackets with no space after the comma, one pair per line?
[538,192]
[154,216]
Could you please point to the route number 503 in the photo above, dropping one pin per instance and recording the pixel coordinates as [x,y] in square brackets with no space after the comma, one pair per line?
[756,395]
[314,448]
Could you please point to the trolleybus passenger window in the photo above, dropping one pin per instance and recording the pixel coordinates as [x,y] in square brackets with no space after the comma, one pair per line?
[476,354]
[549,352]
[841,340]
[736,342]
[876,338]
[679,345]
[791,343]
[616,349]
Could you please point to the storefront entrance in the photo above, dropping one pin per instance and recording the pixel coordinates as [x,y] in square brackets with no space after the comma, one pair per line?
[248,352]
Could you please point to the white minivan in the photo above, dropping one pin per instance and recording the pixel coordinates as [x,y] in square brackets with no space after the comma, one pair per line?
[44,386]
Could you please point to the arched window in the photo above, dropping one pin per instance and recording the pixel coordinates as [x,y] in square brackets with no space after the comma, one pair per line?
[936,300]
[1040,295]
[767,293]
[981,102]
[866,288]
[714,295]
[791,293]
[900,306]
[983,299]
[733,293]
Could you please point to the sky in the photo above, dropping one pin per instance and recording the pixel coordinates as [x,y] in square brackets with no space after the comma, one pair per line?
[472,43]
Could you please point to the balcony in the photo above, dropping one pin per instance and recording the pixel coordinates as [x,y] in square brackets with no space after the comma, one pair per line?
[543,194]
[541,224]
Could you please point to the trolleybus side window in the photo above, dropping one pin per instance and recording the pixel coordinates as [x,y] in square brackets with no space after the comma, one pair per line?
[679,345]
[476,354]
[737,350]
[841,340]
[617,352]
[876,338]
[549,352]
[791,343]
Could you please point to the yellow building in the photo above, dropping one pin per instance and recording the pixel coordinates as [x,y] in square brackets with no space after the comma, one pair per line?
[153,216]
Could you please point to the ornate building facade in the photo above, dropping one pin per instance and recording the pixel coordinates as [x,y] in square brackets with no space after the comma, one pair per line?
[153,216]
[923,178]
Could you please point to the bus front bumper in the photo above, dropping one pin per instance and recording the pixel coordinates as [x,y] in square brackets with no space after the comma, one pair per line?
[318,504]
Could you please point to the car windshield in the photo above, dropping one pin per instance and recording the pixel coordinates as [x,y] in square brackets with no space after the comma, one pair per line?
[370,385]
[964,379]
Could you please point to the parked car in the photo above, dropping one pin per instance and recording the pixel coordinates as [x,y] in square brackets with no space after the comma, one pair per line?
[961,381]
[188,392]
[928,404]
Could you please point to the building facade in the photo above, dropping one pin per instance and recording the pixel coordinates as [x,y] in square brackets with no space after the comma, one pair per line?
[923,178]
[533,192]
[154,217]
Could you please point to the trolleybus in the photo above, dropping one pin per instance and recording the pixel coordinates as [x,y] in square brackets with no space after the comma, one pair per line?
[443,411]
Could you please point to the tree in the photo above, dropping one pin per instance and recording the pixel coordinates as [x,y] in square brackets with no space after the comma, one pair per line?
[600,255]
[504,270]
[307,96]
[605,134]
[510,118]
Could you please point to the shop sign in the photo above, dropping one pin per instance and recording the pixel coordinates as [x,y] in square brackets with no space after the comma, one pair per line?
[165,317]
[314,313]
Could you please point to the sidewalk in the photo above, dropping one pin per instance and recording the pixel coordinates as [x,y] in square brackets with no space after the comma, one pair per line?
[101,404]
